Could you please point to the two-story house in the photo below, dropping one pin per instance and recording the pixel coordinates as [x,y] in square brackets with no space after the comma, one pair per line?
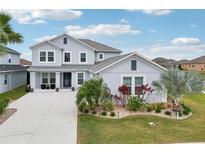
[12,74]
[64,62]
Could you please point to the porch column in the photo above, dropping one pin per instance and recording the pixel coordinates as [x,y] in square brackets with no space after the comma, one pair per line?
[33,79]
[57,79]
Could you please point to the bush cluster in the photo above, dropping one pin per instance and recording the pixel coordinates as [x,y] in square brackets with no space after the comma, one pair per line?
[3,106]
[134,103]
[108,105]
[185,109]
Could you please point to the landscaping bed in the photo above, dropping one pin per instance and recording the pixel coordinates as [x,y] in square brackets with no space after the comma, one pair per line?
[136,129]
[6,99]
[6,115]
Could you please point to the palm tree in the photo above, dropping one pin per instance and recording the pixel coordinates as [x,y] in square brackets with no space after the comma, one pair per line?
[177,83]
[7,35]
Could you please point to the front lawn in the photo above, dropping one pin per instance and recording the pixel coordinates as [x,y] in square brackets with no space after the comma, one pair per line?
[13,94]
[135,129]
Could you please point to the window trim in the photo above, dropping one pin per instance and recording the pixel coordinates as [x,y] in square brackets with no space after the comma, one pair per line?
[77,78]
[64,40]
[5,79]
[99,56]
[54,56]
[136,65]
[133,80]
[85,57]
[64,57]
[49,77]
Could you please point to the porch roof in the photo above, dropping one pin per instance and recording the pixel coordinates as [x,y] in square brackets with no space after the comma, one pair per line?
[60,68]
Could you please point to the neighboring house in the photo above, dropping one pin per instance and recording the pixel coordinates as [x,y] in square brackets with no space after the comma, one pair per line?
[167,63]
[197,64]
[65,62]
[25,62]
[12,74]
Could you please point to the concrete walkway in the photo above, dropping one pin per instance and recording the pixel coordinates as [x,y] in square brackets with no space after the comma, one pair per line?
[42,117]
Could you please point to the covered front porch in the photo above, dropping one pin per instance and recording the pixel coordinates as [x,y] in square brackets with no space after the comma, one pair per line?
[56,80]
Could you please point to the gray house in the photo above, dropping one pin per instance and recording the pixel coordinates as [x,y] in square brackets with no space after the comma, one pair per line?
[64,62]
[12,74]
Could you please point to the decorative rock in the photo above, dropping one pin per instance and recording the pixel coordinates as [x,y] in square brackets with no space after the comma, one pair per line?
[152,124]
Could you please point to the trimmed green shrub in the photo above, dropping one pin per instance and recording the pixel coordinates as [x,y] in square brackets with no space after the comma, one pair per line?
[103,113]
[112,114]
[108,105]
[150,108]
[7,100]
[94,112]
[167,113]
[134,103]
[186,110]
[158,110]
[3,106]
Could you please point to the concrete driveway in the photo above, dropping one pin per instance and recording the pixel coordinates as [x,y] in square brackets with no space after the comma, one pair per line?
[42,117]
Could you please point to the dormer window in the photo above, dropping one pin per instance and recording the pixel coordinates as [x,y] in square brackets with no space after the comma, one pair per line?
[133,65]
[101,56]
[65,40]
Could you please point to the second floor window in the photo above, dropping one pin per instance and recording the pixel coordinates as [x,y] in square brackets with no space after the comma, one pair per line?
[67,57]
[9,60]
[50,56]
[83,57]
[42,56]
[133,65]
[100,56]
[65,40]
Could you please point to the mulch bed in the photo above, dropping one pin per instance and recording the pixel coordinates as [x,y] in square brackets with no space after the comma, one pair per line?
[7,113]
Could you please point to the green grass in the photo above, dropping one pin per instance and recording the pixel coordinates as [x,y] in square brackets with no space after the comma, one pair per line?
[135,129]
[13,94]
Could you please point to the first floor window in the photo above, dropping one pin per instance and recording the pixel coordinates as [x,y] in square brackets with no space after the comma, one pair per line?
[80,78]
[128,82]
[138,84]
[52,78]
[45,78]
[50,56]
[5,79]
[42,56]
[66,57]
[83,57]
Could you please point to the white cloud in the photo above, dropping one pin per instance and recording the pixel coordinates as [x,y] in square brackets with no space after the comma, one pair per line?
[193,25]
[26,55]
[154,12]
[40,16]
[44,38]
[157,12]
[152,30]
[185,40]
[101,30]
[124,21]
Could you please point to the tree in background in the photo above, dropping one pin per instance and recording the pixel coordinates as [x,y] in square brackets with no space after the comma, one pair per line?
[7,34]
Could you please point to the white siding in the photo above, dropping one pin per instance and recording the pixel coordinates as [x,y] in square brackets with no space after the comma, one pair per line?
[106,55]
[113,76]
[15,59]
[75,48]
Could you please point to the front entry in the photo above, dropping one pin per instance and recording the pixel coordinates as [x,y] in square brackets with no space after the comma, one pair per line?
[67,78]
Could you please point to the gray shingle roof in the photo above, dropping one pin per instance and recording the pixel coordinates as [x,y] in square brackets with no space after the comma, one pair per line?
[59,68]
[99,46]
[12,51]
[107,62]
[11,68]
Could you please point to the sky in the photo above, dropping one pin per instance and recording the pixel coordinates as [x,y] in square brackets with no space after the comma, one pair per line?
[176,34]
